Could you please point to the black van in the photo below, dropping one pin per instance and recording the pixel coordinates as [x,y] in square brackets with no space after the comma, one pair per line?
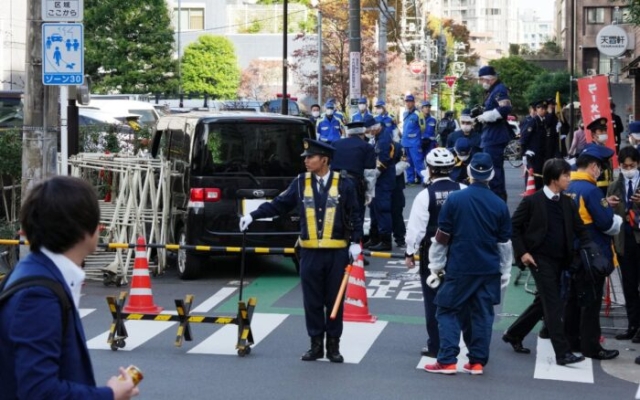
[224,165]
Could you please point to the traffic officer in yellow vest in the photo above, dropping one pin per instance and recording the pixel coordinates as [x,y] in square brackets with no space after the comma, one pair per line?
[329,221]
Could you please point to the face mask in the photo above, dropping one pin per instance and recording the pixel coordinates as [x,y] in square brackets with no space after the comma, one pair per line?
[315,114]
[636,136]
[466,128]
[378,111]
[486,85]
[328,111]
[362,107]
[368,135]
[602,138]
[629,174]
[463,158]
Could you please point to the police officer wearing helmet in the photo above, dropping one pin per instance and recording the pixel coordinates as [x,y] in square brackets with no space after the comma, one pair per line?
[462,151]
[495,128]
[329,221]
[429,133]
[413,126]
[329,127]
[599,137]
[363,114]
[352,156]
[422,226]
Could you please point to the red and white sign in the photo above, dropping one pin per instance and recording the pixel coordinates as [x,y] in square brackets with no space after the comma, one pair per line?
[593,92]
[416,67]
[451,80]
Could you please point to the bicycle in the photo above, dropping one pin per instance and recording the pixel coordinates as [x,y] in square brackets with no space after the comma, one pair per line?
[512,153]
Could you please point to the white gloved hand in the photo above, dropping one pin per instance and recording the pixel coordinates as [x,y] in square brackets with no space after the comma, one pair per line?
[529,153]
[401,166]
[367,199]
[355,250]
[504,280]
[489,116]
[558,126]
[245,221]
[433,280]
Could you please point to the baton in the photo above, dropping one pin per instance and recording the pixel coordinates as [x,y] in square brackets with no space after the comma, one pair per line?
[343,287]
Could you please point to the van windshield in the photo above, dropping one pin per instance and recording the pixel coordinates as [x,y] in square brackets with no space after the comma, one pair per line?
[261,149]
[147,117]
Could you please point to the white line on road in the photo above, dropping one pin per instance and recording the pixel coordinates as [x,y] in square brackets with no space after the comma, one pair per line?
[139,332]
[546,367]
[210,303]
[462,358]
[85,311]
[357,338]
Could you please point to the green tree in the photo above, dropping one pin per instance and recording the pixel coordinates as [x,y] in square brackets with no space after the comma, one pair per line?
[633,6]
[546,84]
[518,75]
[209,66]
[129,46]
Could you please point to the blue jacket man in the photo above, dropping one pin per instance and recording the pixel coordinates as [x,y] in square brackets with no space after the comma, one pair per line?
[462,152]
[329,220]
[413,126]
[329,127]
[428,140]
[363,115]
[468,131]
[495,129]
[474,224]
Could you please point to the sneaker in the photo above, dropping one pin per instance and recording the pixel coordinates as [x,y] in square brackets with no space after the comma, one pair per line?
[401,245]
[437,368]
[473,369]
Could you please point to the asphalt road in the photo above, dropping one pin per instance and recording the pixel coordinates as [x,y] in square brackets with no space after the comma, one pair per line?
[382,358]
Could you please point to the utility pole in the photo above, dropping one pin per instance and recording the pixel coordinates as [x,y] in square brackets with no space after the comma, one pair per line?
[285,62]
[319,56]
[39,139]
[355,48]
[382,49]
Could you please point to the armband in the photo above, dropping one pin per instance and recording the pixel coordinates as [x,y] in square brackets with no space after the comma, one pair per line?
[442,237]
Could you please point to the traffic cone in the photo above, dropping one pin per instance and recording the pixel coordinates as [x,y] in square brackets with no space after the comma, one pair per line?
[356,308]
[140,296]
[531,184]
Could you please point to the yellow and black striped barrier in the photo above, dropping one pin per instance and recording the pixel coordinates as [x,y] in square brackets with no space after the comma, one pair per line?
[212,249]
[118,331]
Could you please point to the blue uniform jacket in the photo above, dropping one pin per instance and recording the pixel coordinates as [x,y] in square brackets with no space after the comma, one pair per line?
[387,122]
[353,155]
[594,210]
[293,197]
[477,221]
[365,117]
[36,362]
[496,133]
[473,138]
[412,124]
[385,152]
[430,128]
[329,128]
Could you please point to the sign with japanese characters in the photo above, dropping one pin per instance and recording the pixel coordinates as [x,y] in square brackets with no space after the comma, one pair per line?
[62,10]
[612,41]
[62,54]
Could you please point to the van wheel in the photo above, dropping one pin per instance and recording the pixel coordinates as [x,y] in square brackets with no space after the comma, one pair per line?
[188,264]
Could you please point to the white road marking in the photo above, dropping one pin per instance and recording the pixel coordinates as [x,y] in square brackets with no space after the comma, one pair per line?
[462,358]
[357,338]
[139,332]
[210,303]
[85,311]
[546,367]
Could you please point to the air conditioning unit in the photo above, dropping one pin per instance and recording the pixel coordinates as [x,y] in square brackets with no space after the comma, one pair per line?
[591,71]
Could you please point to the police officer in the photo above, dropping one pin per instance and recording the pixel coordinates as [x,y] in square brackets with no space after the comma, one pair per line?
[468,131]
[599,137]
[351,157]
[422,226]
[385,182]
[329,127]
[618,126]
[473,224]
[553,124]
[363,114]
[428,140]
[582,310]
[446,126]
[495,128]
[398,200]
[413,126]
[328,209]
[533,141]
[462,152]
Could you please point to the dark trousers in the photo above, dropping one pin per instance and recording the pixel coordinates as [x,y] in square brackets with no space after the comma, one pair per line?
[582,314]
[497,184]
[547,304]
[428,297]
[382,211]
[321,272]
[397,219]
[630,269]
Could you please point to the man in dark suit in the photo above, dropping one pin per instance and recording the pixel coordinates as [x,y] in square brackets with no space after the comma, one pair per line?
[544,227]
[44,353]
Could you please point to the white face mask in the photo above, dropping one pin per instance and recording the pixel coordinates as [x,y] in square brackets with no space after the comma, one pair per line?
[362,107]
[636,136]
[629,174]
[602,137]
[466,128]
[463,158]
[329,111]
[378,111]
[486,85]
[315,114]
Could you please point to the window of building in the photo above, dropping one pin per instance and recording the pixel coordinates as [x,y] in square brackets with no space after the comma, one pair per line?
[190,19]
[604,65]
[595,15]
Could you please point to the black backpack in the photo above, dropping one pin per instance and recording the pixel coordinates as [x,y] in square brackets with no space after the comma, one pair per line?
[30,281]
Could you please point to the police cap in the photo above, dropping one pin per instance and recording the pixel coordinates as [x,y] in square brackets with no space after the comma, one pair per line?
[634,127]
[598,152]
[315,147]
[425,103]
[598,123]
[380,103]
[355,128]
[481,167]
[362,100]
[487,70]
[462,146]
[409,97]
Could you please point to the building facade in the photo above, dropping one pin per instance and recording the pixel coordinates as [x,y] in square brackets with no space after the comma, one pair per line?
[13,33]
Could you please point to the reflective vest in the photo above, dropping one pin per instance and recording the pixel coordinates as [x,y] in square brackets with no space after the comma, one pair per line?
[325,241]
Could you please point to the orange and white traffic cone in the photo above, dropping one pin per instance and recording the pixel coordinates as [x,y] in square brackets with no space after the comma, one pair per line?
[531,184]
[356,308]
[140,296]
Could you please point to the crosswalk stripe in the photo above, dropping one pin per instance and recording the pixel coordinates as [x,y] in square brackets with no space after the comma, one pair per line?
[139,332]
[462,358]
[546,367]
[210,303]
[223,341]
[85,311]
[357,338]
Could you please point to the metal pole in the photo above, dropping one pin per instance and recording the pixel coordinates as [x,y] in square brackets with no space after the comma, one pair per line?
[382,49]
[64,134]
[453,95]
[285,98]
[354,49]
[572,67]
[319,56]
[179,47]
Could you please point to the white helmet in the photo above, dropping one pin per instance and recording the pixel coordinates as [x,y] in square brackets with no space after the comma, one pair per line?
[440,158]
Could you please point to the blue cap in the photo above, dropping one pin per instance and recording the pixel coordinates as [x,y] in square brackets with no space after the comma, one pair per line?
[409,97]
[313,147]
[487,70]
[425,103]
[462,146]
[598,123]
[481,167]
[600,153]
[329,104]
[363,100]
[355,128]
[634,127]
[380,103]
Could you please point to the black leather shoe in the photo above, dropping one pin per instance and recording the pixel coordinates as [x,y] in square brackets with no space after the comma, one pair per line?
[316,351]
[544,333]
[382,246]
[365,262]
[605,354]
[425,352]
[638,360]
[333,350]
[628,335]
[636,337]
[569,358]
[370,242]
[516,344]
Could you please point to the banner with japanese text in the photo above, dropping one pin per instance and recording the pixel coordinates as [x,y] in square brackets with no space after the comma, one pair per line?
[593,92]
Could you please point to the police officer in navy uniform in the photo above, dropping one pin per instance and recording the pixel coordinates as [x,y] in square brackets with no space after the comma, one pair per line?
[533,141]
[351,157]
[495,128]
[363,114]
[329,126]
[429,134]
[462,152]
[329,217]
[468,131]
